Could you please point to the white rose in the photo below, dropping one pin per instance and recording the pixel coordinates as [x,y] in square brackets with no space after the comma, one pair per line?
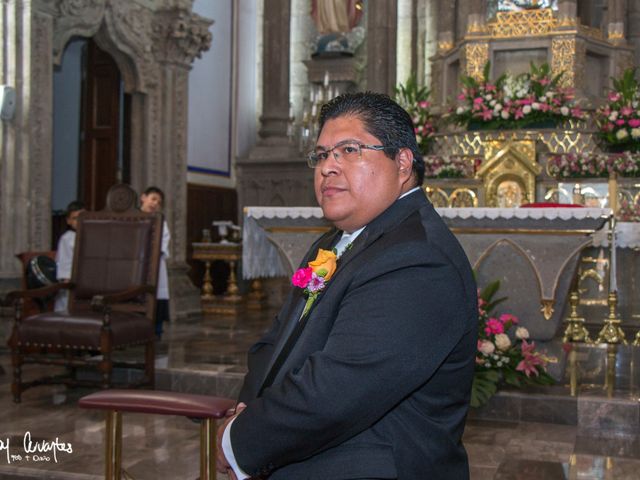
[564,110]
[498,107]
[460,110]
[522,333]
[635,132]
[505,114]
[492,103]
[526,109]
[614,116]
[486,347]
[535,106]
[502,341]
[488,97]
[543,99]
[622,134]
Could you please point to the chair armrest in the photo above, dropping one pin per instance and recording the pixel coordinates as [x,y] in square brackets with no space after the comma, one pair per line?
[37,292]
[99,302]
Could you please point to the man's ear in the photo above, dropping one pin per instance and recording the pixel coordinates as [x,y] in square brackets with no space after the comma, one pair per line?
[405,162]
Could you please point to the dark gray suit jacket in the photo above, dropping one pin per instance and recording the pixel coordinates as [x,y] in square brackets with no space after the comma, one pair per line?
[377,383]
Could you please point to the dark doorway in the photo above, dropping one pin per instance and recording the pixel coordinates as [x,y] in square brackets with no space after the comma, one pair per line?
[102,118]
[91,129]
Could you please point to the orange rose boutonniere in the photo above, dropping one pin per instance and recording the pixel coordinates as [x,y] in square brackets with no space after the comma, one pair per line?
[314,277]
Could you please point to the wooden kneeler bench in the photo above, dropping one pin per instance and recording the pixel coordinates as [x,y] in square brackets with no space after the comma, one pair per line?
[205,408]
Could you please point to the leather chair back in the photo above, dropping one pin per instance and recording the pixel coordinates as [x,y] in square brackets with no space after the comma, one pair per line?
[115,251]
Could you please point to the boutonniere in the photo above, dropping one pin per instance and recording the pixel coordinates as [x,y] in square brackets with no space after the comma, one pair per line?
[313,278]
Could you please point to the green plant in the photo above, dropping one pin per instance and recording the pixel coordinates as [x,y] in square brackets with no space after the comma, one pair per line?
[415,100]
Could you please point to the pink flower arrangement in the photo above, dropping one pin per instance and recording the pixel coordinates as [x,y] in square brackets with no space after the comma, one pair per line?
[503,356]
[532,99]
[629,211]
[619,119]
[580,165]
[450,166]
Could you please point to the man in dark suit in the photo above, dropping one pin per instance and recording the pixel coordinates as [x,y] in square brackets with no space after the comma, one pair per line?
[372,378]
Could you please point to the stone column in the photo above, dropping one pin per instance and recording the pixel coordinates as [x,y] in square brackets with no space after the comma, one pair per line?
[446,26]
[382,20]
[477,16]
[275,173]
[616,11]
[275,73]
[25,140]
[567,12]
[180,37]
[633,28]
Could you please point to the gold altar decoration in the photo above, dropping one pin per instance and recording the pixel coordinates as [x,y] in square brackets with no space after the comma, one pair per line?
[476,56]
[563,59]
[509,173]
[575,331]
[445,45]
[231,302]
[556,141]
[461,196]
[523,23]
[611,332]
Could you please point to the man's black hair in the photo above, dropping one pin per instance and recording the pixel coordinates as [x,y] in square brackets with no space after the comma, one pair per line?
[383,118]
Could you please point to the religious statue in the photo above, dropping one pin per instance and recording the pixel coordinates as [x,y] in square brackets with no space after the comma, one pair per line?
[337,24]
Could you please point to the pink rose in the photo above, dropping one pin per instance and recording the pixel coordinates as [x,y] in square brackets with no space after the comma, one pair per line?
[494,326]
[302,277]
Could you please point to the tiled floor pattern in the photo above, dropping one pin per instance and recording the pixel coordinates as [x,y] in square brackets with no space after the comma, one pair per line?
[167,447]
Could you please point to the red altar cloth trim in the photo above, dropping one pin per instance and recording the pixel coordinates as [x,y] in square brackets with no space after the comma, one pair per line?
[550,205]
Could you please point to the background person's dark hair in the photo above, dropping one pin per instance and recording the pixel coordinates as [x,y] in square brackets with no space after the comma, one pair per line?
[153,189]
[73,207]
[383,118]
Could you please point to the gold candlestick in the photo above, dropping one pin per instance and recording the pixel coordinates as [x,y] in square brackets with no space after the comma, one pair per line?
[575,331]
[611,332]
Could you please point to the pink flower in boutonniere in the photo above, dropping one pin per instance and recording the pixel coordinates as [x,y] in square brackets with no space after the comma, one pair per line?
[302,277]
[314,277]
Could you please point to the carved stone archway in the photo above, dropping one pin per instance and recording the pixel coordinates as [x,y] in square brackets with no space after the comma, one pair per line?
[154,48]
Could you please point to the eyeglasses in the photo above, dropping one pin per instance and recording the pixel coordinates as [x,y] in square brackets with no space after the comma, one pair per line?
[348,151]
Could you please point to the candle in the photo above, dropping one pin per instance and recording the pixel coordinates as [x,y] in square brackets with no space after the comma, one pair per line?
[326,79]
[613,284]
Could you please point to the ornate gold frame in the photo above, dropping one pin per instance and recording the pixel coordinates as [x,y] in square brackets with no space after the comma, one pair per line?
[509,160]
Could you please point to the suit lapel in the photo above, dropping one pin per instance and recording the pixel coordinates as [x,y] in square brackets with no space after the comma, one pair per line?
[391,217]
[298,299]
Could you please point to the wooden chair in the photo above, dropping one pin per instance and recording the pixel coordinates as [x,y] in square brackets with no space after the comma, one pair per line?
[111,300]
[31,307]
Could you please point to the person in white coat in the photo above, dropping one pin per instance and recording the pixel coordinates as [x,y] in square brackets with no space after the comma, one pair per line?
[151,201]
[64,253]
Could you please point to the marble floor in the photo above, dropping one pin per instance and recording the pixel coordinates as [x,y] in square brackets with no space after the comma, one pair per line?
[207,354]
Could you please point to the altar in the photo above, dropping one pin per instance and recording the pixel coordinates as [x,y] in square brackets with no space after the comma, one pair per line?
[534,252]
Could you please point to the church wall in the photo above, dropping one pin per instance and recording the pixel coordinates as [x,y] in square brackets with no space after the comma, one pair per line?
[67,86]
[210,101]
